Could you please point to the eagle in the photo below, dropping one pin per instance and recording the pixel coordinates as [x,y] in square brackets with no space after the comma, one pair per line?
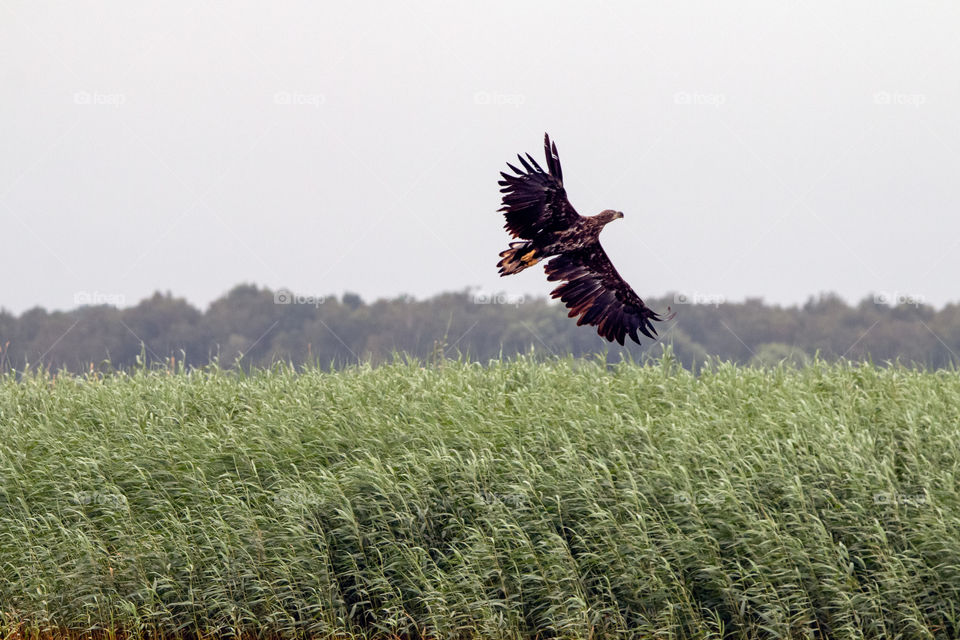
[549,228]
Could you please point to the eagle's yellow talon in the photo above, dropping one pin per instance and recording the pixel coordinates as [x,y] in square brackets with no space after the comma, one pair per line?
[528,258]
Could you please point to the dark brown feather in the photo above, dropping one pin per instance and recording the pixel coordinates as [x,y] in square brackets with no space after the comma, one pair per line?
[535,202]
[553,158]
[593,290]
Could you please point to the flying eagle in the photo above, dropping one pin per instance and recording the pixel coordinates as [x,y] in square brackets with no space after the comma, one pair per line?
[537,211]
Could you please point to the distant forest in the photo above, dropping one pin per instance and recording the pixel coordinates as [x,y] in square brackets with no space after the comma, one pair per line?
[253,326]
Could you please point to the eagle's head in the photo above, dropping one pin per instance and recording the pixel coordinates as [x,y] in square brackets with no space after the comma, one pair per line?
[609,215]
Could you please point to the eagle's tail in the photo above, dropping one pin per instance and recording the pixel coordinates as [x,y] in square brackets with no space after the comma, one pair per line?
[518,257]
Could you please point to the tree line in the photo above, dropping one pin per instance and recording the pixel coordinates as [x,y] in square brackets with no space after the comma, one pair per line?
[253,326]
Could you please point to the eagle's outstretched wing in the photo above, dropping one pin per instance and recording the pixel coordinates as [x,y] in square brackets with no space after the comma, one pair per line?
[534,201]
[598,294]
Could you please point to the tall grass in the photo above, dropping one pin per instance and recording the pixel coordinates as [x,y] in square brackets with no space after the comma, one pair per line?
[514,500]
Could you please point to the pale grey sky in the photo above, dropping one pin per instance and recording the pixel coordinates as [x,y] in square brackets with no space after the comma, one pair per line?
[772,149]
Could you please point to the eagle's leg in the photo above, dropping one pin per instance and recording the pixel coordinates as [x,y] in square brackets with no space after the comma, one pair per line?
[518,257]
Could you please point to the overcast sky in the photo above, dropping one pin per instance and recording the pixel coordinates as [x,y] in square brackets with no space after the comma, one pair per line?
[771,149]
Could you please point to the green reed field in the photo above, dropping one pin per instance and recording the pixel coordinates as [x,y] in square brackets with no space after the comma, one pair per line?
[511,500]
